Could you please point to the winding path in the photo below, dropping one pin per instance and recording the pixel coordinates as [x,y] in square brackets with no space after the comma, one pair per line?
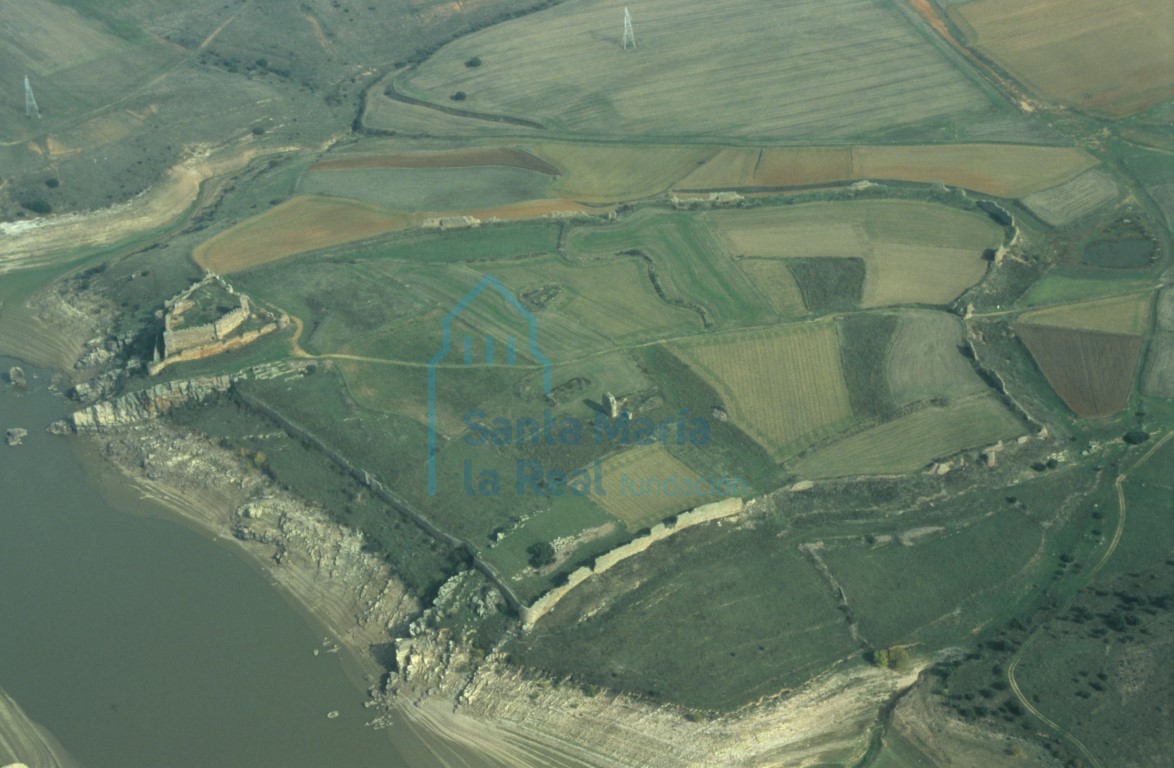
[1119,486]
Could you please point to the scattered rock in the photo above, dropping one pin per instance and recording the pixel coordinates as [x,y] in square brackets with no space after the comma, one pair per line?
[17,377]
[15,435]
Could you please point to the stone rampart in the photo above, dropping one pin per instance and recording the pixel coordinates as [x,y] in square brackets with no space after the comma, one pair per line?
[703,514]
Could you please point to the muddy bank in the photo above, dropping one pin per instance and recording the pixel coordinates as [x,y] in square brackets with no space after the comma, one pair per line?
[23,740]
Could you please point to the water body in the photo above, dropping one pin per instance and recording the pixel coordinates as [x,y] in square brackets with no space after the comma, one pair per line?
[139,642]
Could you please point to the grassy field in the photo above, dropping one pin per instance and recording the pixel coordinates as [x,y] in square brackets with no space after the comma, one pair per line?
[1092,371]
[774,280]
[913,252]
[865,339]
[688,259]
[458,246]
[429,189]
[911,442]
[1093,54]
[847,72]
[1064,284]
[635,488]
[1073,199]
[1159,376]
[1121,314]
[785,386]
[941,586]
[504,157]
[301,224]
[925,360]
[684,623]
[739,167]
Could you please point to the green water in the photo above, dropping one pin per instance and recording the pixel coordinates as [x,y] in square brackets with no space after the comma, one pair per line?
[139,642]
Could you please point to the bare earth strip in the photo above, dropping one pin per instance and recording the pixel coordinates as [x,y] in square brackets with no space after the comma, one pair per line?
[45,241]
[911,442]
[1103,55]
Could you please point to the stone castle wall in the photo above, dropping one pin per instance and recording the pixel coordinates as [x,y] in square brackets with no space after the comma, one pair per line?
[704,514]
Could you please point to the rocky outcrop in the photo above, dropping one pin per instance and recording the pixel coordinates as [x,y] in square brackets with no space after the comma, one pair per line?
[136,407]
[15,435]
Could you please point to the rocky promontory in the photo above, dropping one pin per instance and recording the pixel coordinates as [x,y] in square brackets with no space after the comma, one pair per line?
[137,407]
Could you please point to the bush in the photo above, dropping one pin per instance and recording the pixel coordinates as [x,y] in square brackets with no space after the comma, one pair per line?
[52,183]
[37,206]
[1133,437]
[458,96]
[473,62]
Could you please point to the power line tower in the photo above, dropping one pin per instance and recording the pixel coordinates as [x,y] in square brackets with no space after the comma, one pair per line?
[30,101]
[629,35]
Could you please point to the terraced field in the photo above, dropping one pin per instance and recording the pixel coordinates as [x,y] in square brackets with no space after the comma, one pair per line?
[1073,199]
[848,72]
[784,386]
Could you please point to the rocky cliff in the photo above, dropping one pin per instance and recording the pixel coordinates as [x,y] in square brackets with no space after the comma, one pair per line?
[137,407]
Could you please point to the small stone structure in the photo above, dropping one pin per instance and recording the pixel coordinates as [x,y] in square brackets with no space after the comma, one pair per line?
[611,405]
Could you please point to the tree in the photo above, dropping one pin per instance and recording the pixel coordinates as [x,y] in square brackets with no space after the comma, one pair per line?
[541,554]
[898,658]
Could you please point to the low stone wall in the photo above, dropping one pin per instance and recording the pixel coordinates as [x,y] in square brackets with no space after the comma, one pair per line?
[704,514]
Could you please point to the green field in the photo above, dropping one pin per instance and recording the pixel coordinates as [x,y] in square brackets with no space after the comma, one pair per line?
[911,442]
[941,586]
[1064,284]
[565,68]
[683,622]
[926,360]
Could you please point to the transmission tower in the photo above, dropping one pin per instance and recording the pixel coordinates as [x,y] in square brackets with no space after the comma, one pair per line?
[629,35]
[30,101]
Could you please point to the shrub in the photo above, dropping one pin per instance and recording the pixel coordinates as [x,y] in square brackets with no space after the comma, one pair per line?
[37,206]
[473,62]
[458,96]
[541,553]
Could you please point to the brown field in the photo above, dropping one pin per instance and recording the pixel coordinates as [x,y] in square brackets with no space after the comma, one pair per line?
[461,158]
[771,167]
[1092,371]
[995,169]
[1102,55]
[1074,198]
[301,224]
[636,500]
[1006,170]
[924,360]
[911,442]
[1120,314]
[772,278]
[784,386]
